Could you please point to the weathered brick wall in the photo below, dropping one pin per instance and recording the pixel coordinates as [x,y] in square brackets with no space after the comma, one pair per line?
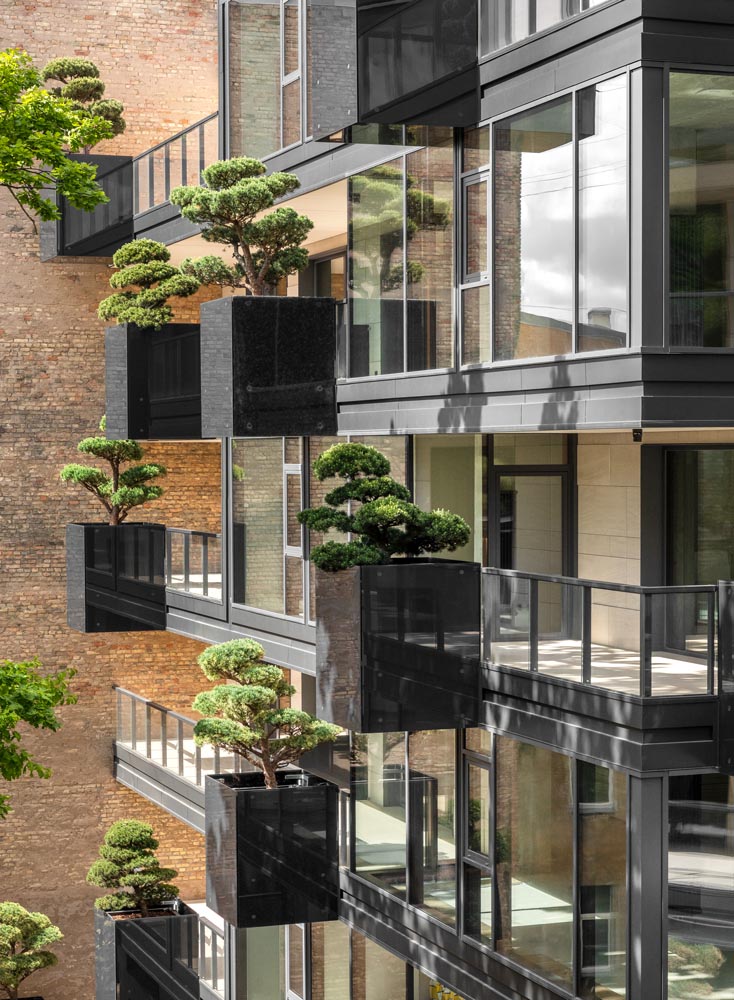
[52,395]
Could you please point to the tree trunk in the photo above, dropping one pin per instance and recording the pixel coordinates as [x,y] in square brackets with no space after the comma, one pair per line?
[269,773]
[143,908]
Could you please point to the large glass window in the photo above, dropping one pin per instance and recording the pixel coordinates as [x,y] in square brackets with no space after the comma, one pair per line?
[432,761]
[701,887]
[401,261]
[534,852]
[701,210]
[379,793]
[504,22]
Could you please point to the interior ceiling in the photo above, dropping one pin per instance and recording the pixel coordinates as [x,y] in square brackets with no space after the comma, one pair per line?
[326,207]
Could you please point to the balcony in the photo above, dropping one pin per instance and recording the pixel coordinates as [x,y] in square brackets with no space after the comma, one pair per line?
[115,577]
[397,646]
[194,563]
[100,232]
[635,667]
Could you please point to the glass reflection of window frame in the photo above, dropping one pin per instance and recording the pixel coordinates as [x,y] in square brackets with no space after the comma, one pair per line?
[476,173]
[475,865]
[488,14]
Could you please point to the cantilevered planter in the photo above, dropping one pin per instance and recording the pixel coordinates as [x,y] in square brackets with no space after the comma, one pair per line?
[268,366]
[146,957]
[397,646]
[115,580]
[153,385]
[271,854]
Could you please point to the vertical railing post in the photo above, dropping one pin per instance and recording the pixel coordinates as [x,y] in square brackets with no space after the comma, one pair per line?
[179,733]
[148,741]
[151,180]
[645,645]
[164,739]
[726,676]
[134,723]
[184,165]
[217,761]
[205,565]
[586,634]
[202,150]
[119,714]
[166,171]
[197,758]
[711,642]
[187,561]
[169,556]
[533,624]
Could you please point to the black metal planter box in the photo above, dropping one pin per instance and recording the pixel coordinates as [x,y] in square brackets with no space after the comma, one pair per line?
[147,957]
[398,646]
[115,579]
[271,854]
[153,382]
[268,366]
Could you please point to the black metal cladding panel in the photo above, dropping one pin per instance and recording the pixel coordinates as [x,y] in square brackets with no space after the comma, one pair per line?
[282,844]
[420,645]
[157,957]
[109,225]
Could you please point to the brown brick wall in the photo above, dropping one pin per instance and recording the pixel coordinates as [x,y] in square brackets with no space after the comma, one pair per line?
[159,59]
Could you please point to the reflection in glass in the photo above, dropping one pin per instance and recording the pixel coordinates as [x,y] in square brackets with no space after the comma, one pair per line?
[602,208]
[478,839]
[296,957]
[477,261]
[378,788]
[254,78]
[534,233]
[475,324]
[701,159]
[478,741]
[476,148]
[602,881]
[384,973]
[432,760]
[701,884]
[331,940]
[376,221]
[503,24]
[257,522]
[534,855]
[478,904]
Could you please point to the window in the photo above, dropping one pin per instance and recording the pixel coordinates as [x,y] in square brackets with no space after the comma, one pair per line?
[504,22]
[558,184]
[380,818]
[701,158]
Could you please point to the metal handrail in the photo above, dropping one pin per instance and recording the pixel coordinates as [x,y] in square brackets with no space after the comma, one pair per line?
[177,135]
[625,588]
[194,153]
[187,535]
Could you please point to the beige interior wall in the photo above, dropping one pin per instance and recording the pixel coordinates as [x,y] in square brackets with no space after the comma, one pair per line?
[448,475]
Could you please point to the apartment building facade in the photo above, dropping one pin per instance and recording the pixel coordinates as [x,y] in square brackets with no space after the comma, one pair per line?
[522,216]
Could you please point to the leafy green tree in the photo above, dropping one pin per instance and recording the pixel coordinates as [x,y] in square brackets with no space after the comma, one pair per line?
[30,697]
[145,264]
[37,131]
[383,520]
[243,716]
[226,206]
[80,84]
[24,946]
[122,488]
[128,865]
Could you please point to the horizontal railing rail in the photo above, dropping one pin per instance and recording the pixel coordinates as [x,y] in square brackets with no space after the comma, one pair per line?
[177,160]
[166,738]
[194,562]
[635,640]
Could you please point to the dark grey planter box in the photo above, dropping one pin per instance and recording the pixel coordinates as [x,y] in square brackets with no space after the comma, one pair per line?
[147,957]
[153,382]
[104,230]
[115,577]
[398,646]
[271,854]
[268,367]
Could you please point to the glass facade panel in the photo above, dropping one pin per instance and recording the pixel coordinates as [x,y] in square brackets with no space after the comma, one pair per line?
[530,449]
[602,881]
[384,973]
[504,22]
[376,224]
[701,877]
[477,260]
[380,831]
[534,233]
[254,78]
[701,162]
[333,938]
[534,855]
[478,838]
[475,325]
[476,148]
[430,253]
[296,959]
[478,741]
[602,215]
[432,762]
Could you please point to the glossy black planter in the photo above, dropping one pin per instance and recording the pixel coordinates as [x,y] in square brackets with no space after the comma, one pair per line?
[146,958]
[115,579]
[271,854]
[397,646]
[153,382]
[268,367]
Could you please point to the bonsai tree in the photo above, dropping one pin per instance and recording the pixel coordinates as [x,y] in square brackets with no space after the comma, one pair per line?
[30,697]
[385,523]
[127,864]
[120,489]
[242,715]
[24,946]
[144,283]
[37,132]
[264,249]
[80,84]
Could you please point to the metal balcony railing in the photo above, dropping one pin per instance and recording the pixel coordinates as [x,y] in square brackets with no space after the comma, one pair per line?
[194,562]
[643,641]
[166,738]
[178,160]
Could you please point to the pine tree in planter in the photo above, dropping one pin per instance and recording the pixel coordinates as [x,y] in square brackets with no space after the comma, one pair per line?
[80,84]
[122,488]
[244,717]
[384,522]
[145,264]
[127,865]
[25,939]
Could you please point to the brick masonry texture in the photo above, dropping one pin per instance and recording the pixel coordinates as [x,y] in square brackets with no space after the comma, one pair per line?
[160,60]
